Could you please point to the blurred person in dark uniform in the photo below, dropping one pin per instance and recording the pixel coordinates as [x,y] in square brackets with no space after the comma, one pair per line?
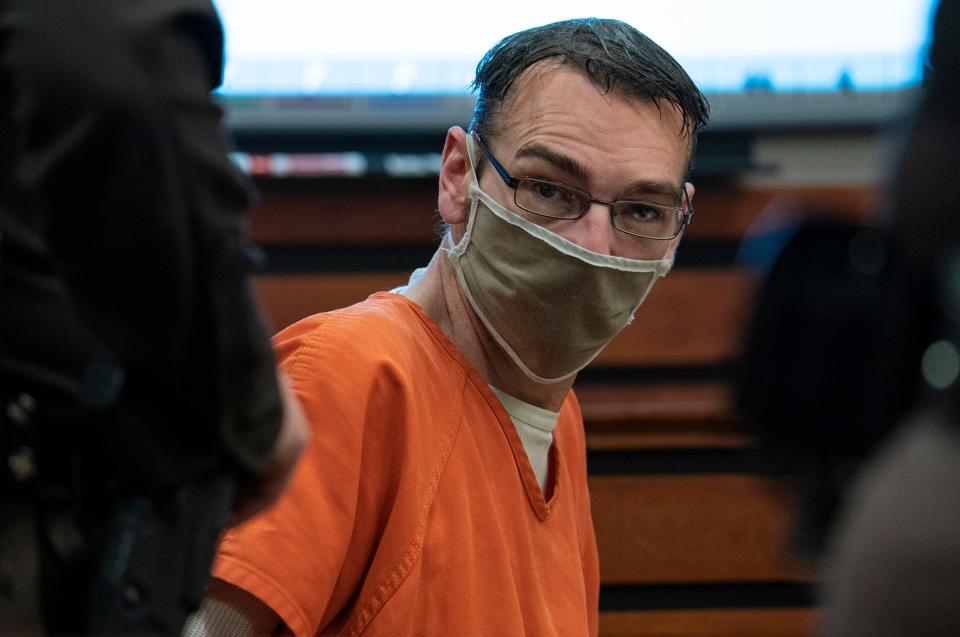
[894,567]
[139,406]
[823,376]
[850,374]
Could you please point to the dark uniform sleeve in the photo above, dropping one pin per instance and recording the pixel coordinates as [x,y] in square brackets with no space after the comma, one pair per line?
[122,169]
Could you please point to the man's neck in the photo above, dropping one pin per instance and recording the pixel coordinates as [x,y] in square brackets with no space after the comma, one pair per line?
[441,297]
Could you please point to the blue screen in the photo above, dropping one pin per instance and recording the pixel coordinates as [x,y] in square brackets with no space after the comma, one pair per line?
[311,48]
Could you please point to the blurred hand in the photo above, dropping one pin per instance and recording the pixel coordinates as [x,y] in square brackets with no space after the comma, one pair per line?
[259,492]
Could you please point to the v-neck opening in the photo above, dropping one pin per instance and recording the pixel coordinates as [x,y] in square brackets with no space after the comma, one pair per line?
[539,501]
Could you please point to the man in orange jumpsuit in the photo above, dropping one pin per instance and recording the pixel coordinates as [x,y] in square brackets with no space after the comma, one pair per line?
[444,491]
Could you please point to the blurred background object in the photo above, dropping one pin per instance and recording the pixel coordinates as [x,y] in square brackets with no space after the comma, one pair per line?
[296,63]
[830,356]
[850,378]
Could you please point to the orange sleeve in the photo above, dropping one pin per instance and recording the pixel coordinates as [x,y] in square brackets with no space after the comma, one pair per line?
[292,555]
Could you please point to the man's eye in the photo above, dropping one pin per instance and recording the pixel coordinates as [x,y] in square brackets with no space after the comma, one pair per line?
[547,191]
[643,212]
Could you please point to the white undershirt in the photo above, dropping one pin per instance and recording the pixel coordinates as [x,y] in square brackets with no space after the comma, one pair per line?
[535,427]
[415,276]
[228,611]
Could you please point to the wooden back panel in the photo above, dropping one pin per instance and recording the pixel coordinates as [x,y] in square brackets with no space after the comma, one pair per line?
[287,298]
[660,416]
[345,211]
[692,528]
[682,527]
[751,622]
[377,211]
[691,317]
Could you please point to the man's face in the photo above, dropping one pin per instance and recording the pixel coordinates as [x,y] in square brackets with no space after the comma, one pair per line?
[557,125]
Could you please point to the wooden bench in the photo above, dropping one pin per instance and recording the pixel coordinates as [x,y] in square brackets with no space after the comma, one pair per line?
[759,622]
[692,537]
[691,316]
[376,211]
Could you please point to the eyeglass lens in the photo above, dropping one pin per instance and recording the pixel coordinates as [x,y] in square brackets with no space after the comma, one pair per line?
[643,219]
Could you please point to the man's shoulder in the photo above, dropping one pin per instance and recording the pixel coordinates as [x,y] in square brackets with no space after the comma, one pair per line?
[383,329]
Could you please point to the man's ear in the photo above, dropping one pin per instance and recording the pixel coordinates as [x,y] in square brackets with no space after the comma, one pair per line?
[690,192]
[672,251]
[454,178]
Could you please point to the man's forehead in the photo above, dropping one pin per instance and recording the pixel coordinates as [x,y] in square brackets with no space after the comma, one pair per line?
[552,82]
[532,81]
[557,107]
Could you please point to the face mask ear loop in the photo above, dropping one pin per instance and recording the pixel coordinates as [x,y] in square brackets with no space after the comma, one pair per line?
[455,251]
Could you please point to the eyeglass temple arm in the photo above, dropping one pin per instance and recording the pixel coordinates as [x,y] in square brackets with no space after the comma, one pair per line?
[507,179]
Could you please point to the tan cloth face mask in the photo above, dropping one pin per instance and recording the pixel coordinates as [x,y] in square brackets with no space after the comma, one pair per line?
[550,304]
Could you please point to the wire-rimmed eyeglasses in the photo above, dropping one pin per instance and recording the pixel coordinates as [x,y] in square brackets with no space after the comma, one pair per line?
[555,200]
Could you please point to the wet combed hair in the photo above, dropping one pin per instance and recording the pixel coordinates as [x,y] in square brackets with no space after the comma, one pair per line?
[610,53]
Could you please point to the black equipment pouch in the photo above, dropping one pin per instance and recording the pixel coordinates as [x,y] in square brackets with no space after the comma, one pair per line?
[156,559]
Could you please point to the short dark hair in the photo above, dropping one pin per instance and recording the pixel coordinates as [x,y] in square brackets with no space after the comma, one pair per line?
[610,53]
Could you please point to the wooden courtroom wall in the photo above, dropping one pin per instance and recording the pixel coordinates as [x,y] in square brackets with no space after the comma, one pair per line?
[691,534]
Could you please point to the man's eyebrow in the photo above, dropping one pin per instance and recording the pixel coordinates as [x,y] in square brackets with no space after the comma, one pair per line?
[567,164]
[646,187]
[576,169]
